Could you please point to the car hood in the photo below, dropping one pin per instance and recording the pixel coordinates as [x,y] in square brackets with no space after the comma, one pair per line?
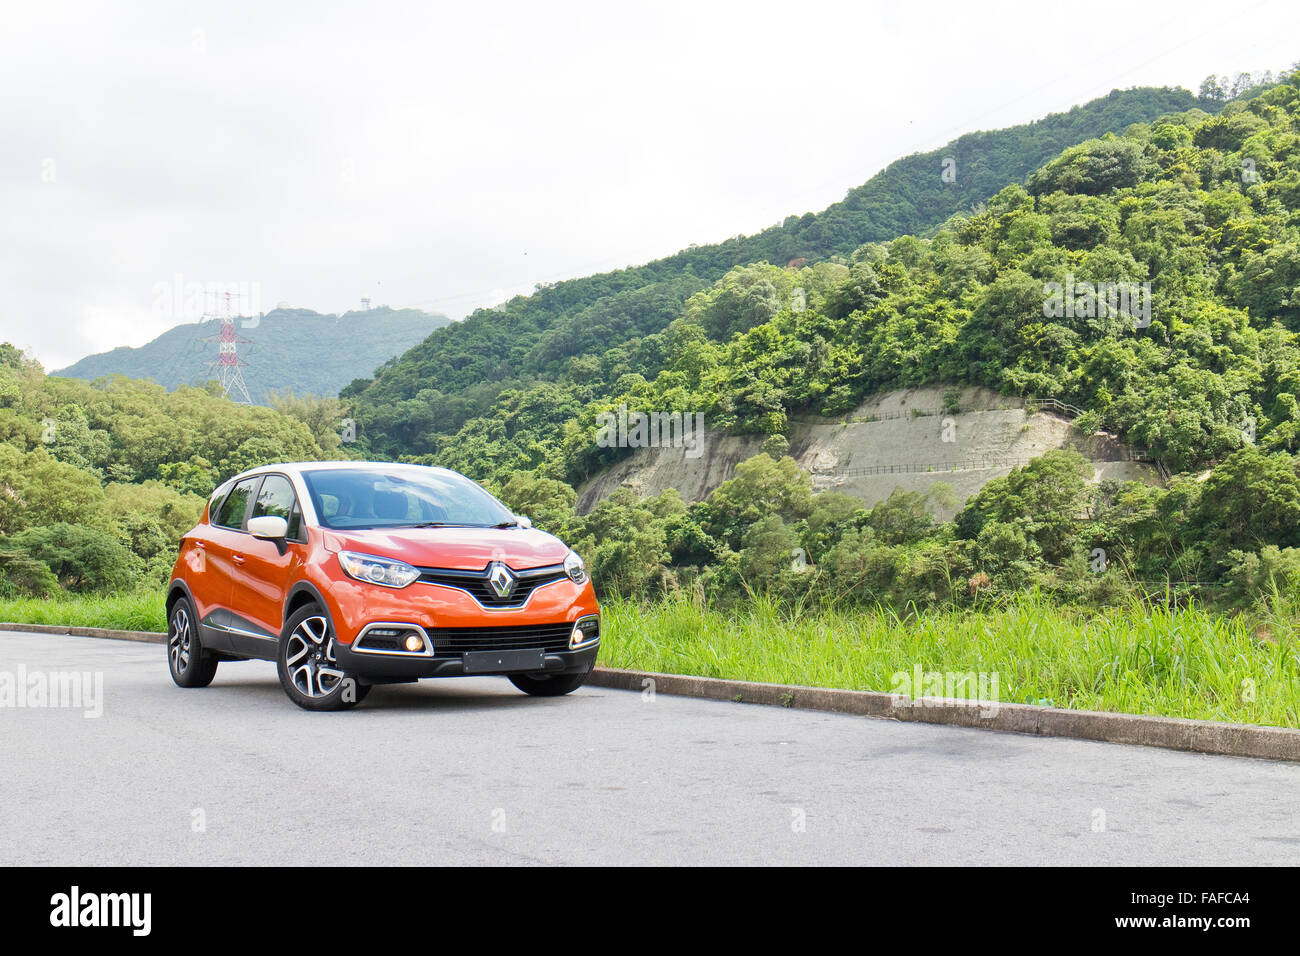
[466,549]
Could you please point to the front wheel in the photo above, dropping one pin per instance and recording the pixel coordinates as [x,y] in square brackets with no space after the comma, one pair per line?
[189,663]
[553,685]
[308,670]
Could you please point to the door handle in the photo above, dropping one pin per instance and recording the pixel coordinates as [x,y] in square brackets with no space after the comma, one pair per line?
[237,558]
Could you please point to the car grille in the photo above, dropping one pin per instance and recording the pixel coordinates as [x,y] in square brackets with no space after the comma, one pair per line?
[475,583]
[450,641]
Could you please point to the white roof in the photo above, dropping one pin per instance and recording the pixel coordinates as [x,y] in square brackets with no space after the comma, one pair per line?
[298,467]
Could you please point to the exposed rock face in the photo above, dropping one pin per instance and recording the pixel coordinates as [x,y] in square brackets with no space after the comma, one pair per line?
[899,439]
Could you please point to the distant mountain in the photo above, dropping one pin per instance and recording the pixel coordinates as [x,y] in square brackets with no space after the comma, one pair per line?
[296,349]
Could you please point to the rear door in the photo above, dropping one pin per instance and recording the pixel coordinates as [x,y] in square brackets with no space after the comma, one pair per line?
[224,536]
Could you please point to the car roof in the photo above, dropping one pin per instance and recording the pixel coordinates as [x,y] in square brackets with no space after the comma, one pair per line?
[298,467]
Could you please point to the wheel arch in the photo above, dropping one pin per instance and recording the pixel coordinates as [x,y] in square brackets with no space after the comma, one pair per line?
[176,590]
[300,595]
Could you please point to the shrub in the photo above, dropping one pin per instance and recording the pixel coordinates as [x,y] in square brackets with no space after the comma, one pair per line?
[23,575]
[83,559]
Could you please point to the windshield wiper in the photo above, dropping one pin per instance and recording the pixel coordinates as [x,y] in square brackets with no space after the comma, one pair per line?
[453,524]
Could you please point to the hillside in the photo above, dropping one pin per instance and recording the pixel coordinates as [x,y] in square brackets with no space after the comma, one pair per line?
[565,332]
[903,439]
[1152,280]
[288,349]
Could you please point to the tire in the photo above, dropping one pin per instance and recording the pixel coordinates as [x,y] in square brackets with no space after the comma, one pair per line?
[553,686]
[305,662]
[190,665]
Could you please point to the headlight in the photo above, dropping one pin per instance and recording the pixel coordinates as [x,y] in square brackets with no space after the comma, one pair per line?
[575,569]
[375,570]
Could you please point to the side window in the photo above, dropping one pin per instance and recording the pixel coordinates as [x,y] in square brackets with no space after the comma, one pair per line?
[232,509]
[214,503]
[277,498]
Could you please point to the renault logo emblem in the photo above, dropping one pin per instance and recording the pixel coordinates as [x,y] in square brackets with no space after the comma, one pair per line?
[502,579]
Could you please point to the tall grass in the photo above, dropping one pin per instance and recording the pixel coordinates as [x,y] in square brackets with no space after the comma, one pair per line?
[1182,662]
[1177,663]
[126,612]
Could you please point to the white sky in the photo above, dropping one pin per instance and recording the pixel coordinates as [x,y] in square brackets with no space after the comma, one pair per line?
[447,156]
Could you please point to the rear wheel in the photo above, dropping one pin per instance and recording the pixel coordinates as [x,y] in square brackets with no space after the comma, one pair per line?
[549,685]
[308,670]
[189,663]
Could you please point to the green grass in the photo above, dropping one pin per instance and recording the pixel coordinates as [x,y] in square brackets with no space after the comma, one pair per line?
[125,612]
[1184,663]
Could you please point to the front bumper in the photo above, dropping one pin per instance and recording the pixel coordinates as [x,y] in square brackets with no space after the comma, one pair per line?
[355,605]
[381,668]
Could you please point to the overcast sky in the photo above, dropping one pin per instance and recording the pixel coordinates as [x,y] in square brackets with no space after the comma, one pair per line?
[447,156]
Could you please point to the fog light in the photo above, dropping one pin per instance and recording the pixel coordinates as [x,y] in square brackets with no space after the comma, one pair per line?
[413,643]
[585,631]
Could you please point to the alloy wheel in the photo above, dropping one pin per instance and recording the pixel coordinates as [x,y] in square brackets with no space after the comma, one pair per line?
[179,646]
[310,658]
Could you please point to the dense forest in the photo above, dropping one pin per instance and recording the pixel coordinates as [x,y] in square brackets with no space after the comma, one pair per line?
[587,329]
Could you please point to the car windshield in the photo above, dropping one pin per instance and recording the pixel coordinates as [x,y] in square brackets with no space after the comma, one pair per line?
[401,498]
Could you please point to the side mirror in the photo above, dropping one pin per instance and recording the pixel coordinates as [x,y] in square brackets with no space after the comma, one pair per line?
[271,527]
[524,521]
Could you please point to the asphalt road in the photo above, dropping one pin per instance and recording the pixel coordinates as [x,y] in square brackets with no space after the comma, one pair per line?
[470,771]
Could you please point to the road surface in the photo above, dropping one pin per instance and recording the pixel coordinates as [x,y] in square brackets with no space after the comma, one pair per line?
[470,771]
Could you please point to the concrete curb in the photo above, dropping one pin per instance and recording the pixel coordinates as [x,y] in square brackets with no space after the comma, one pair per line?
[1173,733]
[140,637]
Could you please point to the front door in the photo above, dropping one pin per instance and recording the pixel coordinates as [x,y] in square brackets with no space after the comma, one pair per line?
[262,573]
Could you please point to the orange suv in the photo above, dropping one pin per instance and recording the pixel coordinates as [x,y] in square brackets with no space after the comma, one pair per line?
[350,574]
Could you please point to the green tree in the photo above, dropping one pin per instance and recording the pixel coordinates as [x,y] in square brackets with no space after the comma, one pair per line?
[1248,502]
[1044,499]
[84,559]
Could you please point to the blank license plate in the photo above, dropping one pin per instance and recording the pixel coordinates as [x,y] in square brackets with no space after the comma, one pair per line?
[482,662]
